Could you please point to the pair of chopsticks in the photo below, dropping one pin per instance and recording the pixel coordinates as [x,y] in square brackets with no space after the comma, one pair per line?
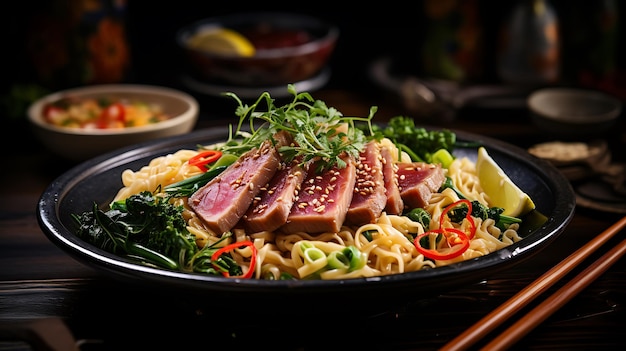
[551,304]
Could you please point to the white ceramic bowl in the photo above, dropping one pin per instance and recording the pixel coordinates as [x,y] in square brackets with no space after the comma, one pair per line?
[80,144]
[573,112]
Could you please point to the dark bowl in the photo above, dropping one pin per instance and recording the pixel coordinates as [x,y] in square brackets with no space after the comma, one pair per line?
[281,54]
[99,180]
[573,113]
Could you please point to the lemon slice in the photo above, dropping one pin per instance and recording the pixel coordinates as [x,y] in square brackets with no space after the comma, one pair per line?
[500,189]
[222,41]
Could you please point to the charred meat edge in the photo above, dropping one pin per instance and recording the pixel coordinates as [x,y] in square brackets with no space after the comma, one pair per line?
[323,200]
[271,207]
[418,181]
[369,198]
[222,202]
[394,204]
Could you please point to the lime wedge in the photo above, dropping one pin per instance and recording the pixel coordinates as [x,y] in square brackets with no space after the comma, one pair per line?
[500,189]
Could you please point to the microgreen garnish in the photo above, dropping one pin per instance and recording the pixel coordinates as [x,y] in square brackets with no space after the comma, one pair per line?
[319,132]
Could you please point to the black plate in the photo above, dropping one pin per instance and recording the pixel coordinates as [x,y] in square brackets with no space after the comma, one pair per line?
[99,180]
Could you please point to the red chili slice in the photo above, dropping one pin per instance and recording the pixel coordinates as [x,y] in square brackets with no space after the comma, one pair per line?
[460,241]
[231,247]
[205,158]
[460,245]
[468,216]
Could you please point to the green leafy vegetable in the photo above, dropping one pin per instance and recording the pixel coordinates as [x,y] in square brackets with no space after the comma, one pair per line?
[143,226]
[421,216]
[151,230]
[419,142]
[188,186]
[478,209]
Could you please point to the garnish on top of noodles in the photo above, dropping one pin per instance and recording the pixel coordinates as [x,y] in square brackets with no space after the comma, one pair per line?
[149,226]
[319,131]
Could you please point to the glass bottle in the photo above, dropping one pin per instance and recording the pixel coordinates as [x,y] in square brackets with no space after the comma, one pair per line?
[529,47]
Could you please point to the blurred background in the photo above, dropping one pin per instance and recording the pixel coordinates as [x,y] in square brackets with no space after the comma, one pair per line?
[467,43]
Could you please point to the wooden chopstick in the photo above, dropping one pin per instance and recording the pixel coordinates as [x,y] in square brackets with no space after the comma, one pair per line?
[556,300]
[494,319]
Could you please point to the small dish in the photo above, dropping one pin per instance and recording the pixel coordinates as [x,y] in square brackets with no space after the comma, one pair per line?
[79,144]
[574,113]
[598,181]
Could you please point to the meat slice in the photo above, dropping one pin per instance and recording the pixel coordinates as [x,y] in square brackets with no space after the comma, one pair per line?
[394,204]
[223,201]
[418,181]
[369,198]
[323,200]
[271,207]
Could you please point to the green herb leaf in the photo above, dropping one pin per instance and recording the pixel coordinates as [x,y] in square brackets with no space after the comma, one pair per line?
[319,132]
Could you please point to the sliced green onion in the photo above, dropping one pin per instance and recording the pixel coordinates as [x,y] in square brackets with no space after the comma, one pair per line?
[444,157]
[337,260]
[356,257]
[313,254]
[314,260]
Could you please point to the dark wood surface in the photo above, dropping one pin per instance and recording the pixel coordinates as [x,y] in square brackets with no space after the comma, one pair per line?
[43,289]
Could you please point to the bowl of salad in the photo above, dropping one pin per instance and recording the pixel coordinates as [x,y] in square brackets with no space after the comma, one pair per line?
[81,123]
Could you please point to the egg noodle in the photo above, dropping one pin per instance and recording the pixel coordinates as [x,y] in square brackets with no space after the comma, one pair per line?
[388,247]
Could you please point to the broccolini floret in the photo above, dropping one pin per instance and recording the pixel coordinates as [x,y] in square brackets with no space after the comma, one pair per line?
[418,142]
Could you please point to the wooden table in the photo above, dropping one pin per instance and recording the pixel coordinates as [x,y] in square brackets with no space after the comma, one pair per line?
[42,288]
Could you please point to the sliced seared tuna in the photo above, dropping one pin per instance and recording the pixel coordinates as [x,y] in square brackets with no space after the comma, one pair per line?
[323,200]
[418,181]
[271,207]
[223,201]
[369,198]
[394,204]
